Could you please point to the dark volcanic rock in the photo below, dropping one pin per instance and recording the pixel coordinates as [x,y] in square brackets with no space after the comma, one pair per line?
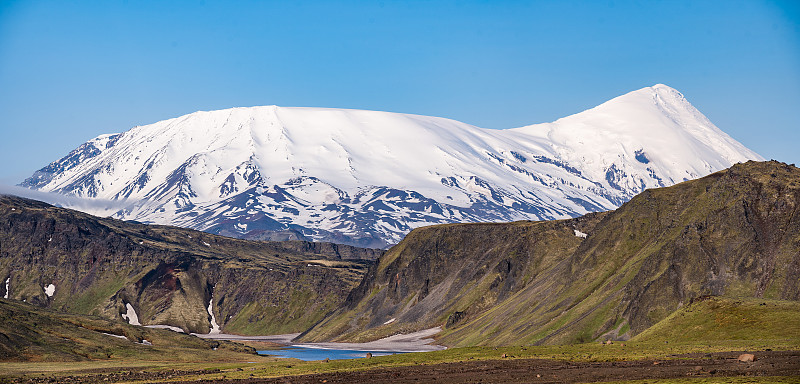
[169,275]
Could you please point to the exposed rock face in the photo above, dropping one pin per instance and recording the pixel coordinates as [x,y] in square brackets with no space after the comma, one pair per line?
[168,275]
[733,233]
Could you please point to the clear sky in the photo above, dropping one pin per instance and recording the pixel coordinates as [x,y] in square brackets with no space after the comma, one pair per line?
[71,70]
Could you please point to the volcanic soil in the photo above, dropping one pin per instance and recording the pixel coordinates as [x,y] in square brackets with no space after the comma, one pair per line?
[510,370]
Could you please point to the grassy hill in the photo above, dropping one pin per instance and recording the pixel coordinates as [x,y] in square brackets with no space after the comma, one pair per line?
[699,334]
[734,233]
[30,333]
[714,319]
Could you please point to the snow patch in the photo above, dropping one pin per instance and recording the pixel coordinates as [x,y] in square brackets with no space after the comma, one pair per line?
[113,335]
[214,326]
[50,290]
[131,316]
[389,321]
[164,326]
[412,342]
[580,234]
[8,280]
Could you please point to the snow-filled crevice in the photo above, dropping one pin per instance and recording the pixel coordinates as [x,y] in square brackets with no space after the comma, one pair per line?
[214,326]
[130,316]
[8,280]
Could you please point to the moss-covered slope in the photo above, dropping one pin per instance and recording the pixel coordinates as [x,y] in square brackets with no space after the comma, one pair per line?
[733,233]
[169,275]
[716,318]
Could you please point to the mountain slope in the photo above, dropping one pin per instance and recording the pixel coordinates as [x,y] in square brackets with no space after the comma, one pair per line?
[605,275]
[367,178]
[29,333]
[74,262]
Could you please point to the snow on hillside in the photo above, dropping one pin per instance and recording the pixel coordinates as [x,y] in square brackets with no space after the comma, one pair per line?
[367,177]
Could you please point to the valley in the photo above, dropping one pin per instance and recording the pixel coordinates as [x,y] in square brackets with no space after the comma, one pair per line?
[676,283]
[469,191]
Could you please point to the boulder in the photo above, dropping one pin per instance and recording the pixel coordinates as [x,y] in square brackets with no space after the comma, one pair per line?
[747,358]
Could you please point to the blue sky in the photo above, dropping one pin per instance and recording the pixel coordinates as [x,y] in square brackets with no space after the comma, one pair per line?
[71,70]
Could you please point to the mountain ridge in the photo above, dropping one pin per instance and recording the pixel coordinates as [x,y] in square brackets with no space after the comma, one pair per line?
[368,177]
[71,261]
[607,275]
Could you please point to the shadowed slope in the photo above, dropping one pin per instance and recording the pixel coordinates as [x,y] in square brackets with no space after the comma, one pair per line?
[169,275]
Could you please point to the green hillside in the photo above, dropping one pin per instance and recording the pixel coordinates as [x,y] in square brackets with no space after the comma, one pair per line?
[30,333]
[733,234]
[169,275]
[713,319]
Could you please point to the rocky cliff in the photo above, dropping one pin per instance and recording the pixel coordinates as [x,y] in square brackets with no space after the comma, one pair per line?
[606,275]
[75,262]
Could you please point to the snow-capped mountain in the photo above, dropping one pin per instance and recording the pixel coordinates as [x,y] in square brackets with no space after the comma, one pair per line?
[367,178]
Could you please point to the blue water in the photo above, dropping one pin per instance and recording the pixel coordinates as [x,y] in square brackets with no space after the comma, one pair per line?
[309,354]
